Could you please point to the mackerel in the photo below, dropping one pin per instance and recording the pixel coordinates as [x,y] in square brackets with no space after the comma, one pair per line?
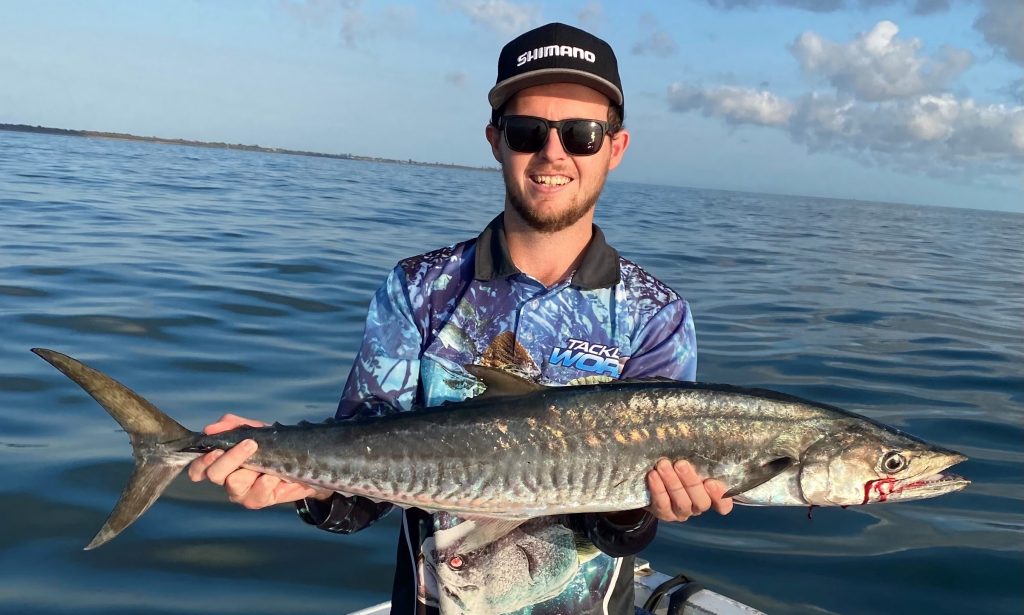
[522,450]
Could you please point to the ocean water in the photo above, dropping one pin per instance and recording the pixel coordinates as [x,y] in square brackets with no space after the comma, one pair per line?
[215,281]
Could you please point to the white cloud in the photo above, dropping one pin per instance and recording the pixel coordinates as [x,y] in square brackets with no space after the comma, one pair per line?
[1002,24]
[501,16]
[1001,21]
[935,134]
[733,104]
[888,105]
[877,66]
[931,133]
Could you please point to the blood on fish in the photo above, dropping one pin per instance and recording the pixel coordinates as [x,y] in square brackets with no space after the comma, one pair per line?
[883,487]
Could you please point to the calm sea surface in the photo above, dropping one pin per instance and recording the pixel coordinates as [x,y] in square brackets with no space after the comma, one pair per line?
[217,281]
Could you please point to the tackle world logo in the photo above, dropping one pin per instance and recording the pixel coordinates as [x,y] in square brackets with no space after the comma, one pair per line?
[595,358]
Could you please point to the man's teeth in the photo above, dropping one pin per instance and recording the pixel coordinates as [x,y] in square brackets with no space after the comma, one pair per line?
[551,180]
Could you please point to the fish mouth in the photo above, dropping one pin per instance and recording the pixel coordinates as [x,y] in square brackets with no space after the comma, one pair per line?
[455,597]
[916,488]
[531,563]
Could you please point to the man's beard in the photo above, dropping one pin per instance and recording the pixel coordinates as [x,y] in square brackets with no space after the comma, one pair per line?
[581,206]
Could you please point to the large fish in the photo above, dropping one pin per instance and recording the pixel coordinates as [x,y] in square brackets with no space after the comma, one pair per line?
[522,450]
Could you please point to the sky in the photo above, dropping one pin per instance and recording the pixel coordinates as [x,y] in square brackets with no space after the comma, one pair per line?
[909,101]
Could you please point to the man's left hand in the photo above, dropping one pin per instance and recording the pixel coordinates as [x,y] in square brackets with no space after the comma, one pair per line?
[678,493]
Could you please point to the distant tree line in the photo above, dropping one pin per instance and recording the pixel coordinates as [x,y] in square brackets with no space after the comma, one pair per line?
[220,145]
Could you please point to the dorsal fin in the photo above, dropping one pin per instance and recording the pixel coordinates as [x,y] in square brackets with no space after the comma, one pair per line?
[501,383]
[647,379]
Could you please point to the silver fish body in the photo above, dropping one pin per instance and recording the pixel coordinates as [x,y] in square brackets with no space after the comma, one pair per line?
[521,450]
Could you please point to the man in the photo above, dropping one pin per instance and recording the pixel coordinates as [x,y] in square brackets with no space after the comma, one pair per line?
[540,294]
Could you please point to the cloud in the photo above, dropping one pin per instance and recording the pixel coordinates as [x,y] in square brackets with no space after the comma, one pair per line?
[352,22]
[590,15]
[1015,91]
[457,78]
[935,134]
[501,16]
[658,42]
[877,66]
[818,6]
[317,13]
[919,7]
[735,105]
[1002,24]
[929,7]
[932,133]
[887,105]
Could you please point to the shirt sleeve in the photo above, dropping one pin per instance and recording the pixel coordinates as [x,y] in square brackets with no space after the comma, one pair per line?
[385,374]
[665,346]
[384,379]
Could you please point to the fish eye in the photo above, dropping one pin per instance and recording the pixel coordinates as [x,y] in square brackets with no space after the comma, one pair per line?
[893,462]
[456,562]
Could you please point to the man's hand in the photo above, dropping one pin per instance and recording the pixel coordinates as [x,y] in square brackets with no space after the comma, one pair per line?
[247,487]
[678,493]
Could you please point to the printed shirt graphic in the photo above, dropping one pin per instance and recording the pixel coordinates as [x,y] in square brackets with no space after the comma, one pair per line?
[436,313]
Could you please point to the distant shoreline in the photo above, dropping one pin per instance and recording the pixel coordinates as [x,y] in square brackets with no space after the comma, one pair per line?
[217,145]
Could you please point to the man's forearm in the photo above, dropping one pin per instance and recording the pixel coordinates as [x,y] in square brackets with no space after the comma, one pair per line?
[341,514]
[618,534]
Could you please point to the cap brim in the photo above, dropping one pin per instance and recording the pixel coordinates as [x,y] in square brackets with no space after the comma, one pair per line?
[501,92]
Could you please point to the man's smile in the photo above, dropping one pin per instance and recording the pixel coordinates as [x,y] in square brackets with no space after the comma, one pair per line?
[550,180]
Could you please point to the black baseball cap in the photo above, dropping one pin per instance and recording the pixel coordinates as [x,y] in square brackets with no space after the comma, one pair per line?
[556,53]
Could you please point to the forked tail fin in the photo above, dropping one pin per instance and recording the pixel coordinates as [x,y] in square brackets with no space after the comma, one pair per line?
[148,427]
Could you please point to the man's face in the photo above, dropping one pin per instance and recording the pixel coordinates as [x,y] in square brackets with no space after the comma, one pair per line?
[551,189]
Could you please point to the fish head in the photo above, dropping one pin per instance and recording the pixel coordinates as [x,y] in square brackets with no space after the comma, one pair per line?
[531,564]
[870,463]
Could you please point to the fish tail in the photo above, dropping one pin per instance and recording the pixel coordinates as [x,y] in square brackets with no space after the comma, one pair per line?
[149,429]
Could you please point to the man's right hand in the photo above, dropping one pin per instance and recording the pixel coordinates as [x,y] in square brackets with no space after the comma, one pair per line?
[247,487]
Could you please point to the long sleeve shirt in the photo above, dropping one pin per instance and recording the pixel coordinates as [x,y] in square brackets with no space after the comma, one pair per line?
[469,304]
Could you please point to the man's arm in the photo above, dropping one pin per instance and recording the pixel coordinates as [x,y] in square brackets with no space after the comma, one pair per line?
[666,347]
[383,378]
[248,488]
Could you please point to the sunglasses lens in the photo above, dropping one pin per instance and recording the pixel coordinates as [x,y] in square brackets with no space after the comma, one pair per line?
[582,137]
[525,134]
[528,134]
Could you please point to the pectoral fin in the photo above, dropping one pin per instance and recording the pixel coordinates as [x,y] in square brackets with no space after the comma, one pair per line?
[758,475]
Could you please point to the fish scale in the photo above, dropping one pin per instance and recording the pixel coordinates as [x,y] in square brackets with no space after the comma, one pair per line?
[521,450]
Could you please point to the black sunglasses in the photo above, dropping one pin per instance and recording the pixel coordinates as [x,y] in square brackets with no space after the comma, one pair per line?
[529,134]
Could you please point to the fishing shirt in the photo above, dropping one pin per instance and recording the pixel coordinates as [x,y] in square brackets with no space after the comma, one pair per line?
[469,304]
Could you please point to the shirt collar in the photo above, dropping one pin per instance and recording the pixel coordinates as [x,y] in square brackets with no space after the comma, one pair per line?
[598,269]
